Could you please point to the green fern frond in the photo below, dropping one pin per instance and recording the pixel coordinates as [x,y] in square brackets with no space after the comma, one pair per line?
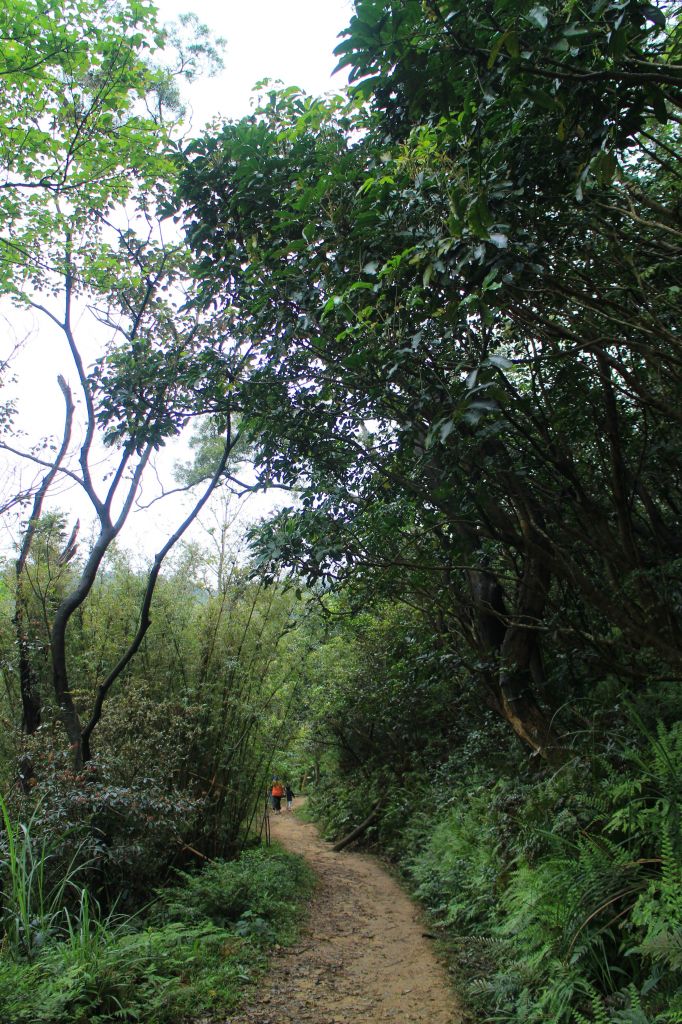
[599,1011]
[488,944]
[665,947]
[673,1016]
[671,875]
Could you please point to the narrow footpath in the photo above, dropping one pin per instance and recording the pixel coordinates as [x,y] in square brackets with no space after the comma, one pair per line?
[363,957]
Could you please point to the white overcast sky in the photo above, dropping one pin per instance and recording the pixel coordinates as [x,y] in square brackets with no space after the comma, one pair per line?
[289,40]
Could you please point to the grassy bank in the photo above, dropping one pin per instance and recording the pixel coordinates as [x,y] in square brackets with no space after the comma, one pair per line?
[193,953]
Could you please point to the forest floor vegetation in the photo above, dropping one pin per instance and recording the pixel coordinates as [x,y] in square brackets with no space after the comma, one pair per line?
[191,955]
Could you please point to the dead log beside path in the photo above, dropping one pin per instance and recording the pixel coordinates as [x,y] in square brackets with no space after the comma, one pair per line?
[357,832]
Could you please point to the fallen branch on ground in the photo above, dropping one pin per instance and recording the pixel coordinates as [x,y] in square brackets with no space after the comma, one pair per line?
[357,832]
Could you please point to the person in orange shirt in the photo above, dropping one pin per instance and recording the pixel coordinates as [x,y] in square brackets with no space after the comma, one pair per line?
[277,792]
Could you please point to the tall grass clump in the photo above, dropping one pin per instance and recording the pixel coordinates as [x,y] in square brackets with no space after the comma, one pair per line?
[193,953]
[34,899]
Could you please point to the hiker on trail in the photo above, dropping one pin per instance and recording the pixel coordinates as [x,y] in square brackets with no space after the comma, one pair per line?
[277,793]
[290,795]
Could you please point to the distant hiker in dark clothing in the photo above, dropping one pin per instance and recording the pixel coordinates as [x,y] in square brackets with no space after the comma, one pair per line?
[290,795]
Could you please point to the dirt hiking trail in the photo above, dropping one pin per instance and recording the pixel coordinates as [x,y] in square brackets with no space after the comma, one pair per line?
[362,958]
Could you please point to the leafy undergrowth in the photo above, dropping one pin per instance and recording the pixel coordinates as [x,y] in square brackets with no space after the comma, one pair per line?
[556,897]
[201,945]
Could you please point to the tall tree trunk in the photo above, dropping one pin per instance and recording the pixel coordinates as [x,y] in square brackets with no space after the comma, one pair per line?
[28,681]
[518,657]
[82,751]
[509,641]
[31,710]
[60,677]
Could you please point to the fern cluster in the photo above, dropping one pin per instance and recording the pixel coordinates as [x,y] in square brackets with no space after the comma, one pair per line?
[561,898]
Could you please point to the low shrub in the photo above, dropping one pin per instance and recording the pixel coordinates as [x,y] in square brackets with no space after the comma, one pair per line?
[159,975]
[457,872]
[259,887]
[204,941]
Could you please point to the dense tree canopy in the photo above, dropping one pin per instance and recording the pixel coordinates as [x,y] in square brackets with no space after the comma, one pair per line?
[463,285]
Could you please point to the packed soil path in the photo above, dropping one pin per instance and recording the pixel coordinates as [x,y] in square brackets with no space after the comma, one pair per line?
[363,957]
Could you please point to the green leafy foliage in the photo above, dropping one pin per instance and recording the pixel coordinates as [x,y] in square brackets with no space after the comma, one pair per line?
[555,895]
[455,285]
[126,971]
[252,894]
[71,89]
[190,738]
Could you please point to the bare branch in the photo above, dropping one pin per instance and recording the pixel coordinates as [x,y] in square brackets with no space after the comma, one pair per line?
[48,479]
[30,457]
[145,618]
